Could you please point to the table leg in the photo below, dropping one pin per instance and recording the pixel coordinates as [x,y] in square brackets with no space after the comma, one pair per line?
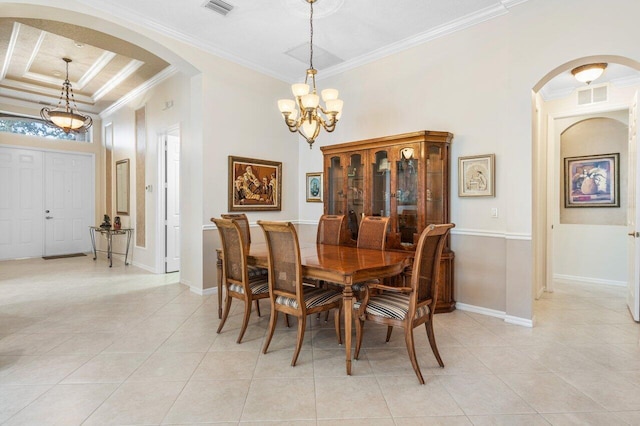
[347,303]
[109,250]
[126,253]
[219,281]
[92,232]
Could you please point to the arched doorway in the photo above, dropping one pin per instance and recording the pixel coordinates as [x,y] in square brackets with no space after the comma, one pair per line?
[547,176]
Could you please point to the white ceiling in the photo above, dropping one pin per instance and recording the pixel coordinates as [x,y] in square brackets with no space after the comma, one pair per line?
[265,35]
[258,33]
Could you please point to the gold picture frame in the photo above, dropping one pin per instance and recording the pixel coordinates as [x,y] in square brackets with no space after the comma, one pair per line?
[314,187]
[476,176]
[254,185]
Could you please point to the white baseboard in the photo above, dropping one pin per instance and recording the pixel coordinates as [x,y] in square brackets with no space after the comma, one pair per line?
[496,314]
[540,292]
[145,267]
[204,292]
[573,279]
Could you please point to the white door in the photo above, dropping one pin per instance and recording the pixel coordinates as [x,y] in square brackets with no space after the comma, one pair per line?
[21,210]
[68,203]
[172,185]
[633,214]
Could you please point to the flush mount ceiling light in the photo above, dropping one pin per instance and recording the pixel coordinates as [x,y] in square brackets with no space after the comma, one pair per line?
[66,115]
[589,72]
[305,115]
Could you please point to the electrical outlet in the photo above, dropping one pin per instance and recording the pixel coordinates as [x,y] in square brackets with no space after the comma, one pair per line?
[494,212]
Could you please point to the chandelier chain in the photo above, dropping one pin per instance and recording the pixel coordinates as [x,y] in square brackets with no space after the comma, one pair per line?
[311,33]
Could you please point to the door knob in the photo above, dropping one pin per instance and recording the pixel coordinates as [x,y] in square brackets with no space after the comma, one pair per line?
[48,217]
[634,234]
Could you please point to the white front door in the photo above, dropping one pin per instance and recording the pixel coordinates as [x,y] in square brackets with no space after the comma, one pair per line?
[633,214]
[21,210]
[172,204]
[68,202]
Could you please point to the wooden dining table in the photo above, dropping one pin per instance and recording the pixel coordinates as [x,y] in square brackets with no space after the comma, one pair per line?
[342,265]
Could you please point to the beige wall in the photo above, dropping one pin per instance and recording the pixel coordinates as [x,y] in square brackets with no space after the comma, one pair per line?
[594,136]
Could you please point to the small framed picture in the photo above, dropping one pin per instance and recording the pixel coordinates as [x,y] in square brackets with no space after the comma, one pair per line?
[592,181]
[476,176]
[314,187]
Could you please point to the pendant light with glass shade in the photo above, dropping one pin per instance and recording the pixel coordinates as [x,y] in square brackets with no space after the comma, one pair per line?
[66,115]
[305,115]
[589,72]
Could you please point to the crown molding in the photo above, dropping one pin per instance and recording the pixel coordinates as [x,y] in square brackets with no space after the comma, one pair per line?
[122,75]
[142,20]
[10,48]
[441,31]
[147,85]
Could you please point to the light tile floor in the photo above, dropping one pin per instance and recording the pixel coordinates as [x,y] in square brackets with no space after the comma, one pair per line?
[81,343]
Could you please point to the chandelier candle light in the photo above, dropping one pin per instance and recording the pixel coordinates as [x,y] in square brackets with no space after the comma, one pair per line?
[67,117]
[305,114]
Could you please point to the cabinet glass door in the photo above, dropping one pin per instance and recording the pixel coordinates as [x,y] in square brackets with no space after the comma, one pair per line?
[406,167]
[381,188]
[335,181]
[355,194]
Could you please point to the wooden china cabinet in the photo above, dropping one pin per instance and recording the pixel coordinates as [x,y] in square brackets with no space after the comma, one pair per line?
[404,177]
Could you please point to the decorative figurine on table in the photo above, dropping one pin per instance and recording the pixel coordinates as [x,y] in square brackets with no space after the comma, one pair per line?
[106,224]
[116,223]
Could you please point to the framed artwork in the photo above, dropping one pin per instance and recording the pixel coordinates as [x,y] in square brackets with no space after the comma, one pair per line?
[592,181]
[476,176]
[254,185]
[314,187]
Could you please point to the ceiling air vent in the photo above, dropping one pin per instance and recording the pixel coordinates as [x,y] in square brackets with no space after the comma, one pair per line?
[592,95]
[219,6]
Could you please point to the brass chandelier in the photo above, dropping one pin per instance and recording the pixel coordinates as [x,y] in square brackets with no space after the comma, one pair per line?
[305,115]
[66,115]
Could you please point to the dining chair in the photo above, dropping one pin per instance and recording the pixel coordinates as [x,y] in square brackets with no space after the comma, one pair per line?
[235,274]
[408,307]
[330,229]
[372,233]
[256,273]
[287,293]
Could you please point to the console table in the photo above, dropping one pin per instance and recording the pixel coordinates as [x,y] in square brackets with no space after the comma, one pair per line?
[109,233]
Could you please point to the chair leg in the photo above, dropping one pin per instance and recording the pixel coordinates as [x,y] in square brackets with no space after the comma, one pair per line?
[258,306]
[359,333]
[272,328]
[432,341]
[245,319]
[225,312]
[408,336]
[336,319]
[302,323]
[286,320]
[326,316]
[389,330]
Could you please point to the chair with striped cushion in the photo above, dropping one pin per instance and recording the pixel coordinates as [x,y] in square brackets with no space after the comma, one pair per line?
[256,273]
[287,293]
[408,307]
[235,274]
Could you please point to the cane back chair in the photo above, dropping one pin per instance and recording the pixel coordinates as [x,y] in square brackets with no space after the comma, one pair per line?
[235,274]
[408,307]
[256,273]
[288,294]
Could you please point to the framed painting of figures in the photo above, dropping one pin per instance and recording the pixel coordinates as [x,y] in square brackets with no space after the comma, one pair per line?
[254,185]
